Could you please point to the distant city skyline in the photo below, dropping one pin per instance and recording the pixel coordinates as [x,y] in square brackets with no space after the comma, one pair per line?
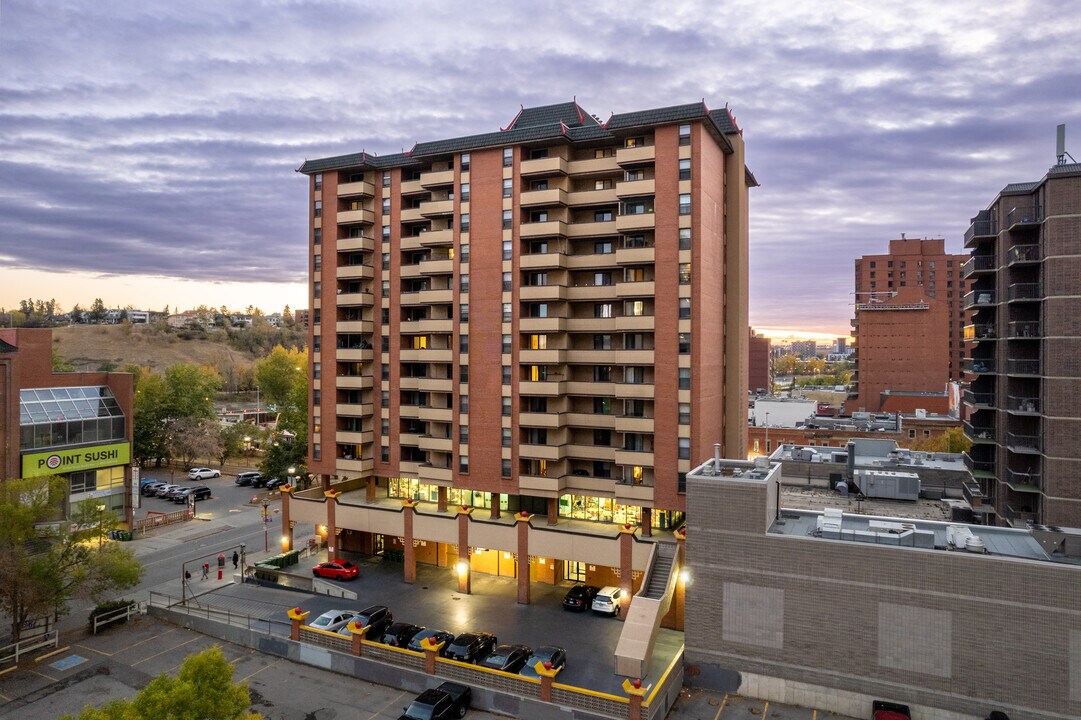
[170,172]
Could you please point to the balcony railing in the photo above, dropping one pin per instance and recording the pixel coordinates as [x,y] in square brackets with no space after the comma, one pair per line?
[1023,405]
[1024,215]
[1025,366]
[1018,517]
[1025,329]
[978,365]
[1024,481]
[978,263]
[982,467]
[980,228]
[974,495]
[1024,291]
[1019,254]
[979,298]
[979,433]
[979,398]
[1023,443]
[981,331]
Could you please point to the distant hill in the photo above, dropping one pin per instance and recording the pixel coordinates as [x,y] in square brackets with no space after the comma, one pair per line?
[90,347]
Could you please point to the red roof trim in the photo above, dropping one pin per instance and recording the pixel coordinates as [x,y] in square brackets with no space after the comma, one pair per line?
[578,109]
[409,152]
[562,127]
[521,109]
[610,116]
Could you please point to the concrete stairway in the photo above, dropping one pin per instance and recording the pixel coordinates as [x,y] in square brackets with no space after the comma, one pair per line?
[643,618]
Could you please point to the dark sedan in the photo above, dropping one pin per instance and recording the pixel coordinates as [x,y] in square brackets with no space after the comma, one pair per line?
[544,654]
[508,658]
[377,618]
[580,597]
[399,634]
[471,647]
[441,636]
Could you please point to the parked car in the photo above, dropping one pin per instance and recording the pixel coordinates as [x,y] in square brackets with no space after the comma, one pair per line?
[203,473]
[199,492]
[164,490]
[449,700]
[471,647]
[246,478]
[545,653]
[399,634]
[151,488]
[274,483]
[441,636]
[884,710]
[378,618]
[609,601]
[508,658]
[334,620]
[171,495]
[579,597]
[343,570]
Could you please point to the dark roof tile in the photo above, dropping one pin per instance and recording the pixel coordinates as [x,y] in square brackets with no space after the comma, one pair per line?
[569,113]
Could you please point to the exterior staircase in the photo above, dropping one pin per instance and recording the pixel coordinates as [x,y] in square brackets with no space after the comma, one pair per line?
[643,618]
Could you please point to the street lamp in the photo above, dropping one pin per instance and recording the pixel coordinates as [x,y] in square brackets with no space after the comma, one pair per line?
[266,525]
[247,444]
[292,472]
[101,529]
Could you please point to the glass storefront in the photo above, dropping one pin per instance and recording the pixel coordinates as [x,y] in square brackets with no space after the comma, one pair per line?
[413,489]
[607,510]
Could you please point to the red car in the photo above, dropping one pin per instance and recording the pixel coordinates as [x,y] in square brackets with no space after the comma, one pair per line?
[344,570]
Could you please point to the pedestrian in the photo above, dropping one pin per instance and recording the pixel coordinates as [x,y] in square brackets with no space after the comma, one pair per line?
[206,570]
[236,559]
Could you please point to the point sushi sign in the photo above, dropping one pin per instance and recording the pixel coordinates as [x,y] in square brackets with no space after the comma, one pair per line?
[56,462]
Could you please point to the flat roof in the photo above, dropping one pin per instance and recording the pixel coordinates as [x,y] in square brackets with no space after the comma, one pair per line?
[909,460]
[818,499]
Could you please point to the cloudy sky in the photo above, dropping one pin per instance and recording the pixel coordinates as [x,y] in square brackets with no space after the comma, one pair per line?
[147,148]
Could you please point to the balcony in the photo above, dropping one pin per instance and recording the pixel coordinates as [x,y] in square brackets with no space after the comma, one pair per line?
[636,221]
[365,189]
[545,388]
[437,208]
[540,420]
[543,166]
[635,255]
[1018,518]
[636,155]
[435,297]
[643,288]
[427,355]
[411,187]
[434,384]
[1024,255]
[980,468]
[542,261]
[354,409]
[437,265]
[542,324]
[978,264]
[634,391]
[1024,481]
[978,230]
[548,228]
[436,238]
[1024,330]
[591,292]
[592,229]
[354,326]
[352,244]
[593,166]
[979,433]
[540,452]
[589,198]
[1024,292]
[345,272]
[1024,444]
[1023,366]
[436,178]
[437,444]
[978,365]
[528,293]
[349,217]
[348,299]
[353,382]
[1017,405]
[634,424]
[642,458]
[542,357]
[975,333]
[356,353]
[538,198]
[434,474]
[1024,215]
[979,298]
[635,188]
[411,214]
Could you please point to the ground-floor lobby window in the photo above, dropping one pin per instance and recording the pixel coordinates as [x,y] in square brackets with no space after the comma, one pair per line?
[585,507]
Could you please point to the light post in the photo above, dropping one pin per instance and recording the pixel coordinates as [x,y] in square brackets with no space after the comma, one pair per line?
[101,528]
[266,525]
[767,436]
[292,472]
[247,445]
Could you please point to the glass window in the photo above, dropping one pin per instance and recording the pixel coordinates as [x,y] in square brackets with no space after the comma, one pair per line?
[317,236]
[463,373]
[605,184]
[464,285]
[508,187]
[602,278]
[386,179]
[504,468]
[685,169]
[386,261]
[506,374]
[602,406]
[386,205]
[384,399]
[463,343]
[506,312]
[463,463]
[386,233]
[506,406]
[463,162]
[684,273]
[508,221]
[463,312]
[684,378]
[508,250]
[464,192]
[684,134]
[602,216]
[506,437]
[602,373]
[508,157]
[684,203]
[319,181]
[463,404]
[684,448]
[464,222]
[684,343]
[602,342]
[602,310]
[506,344]
[508,281]
[603,247]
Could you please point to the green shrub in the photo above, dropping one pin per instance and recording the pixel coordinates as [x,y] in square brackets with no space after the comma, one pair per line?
[108,608]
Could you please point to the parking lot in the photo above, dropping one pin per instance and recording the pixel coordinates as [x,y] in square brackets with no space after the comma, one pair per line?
[226,495]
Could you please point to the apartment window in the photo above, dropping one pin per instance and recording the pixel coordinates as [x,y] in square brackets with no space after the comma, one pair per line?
[505,437]
[420,342]
[386,179]
[684,203]
[602,310]
[463,283]
[637,274]
[386,205]
[508,221]
[384,344]
[384,453]
[463,373]
[632,142]
[538,216]
[384,399]
[604,153]
[386,233]
[315,397]
[684,413]
[317,316]
[506,344]
[602,248]
[605,184]
[634,375]
[463,192]
[538,279]
[317,236]
[602,438]
[602,278]
[684,343]
[504,468]
[318,263]
[538,310]
[684,308]
[602,406]
[636,207]
[385,315]
[319,181]
[384,427]
[463,343]
[384,373]
[463,222]
[684,238]
[508,187]
[318,208]
[386,261]
[602,342]
[602,216]
[538,185]
[634,175]
[463,404]
[684,448]
[316,370]
[506,312]
[508,250]
[506,406]
[685,169]
[684,378]
[464,252]
[463,162]
[634,241]
[508,281]
[684,273]
[508,157]
[602,469]
[635,308]
[316,343]
[634,341]
[538,342]
[463,312]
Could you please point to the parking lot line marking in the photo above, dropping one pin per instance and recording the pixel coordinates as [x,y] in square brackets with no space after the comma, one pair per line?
[4,697]
[47,677]
[186,642]
[721,708]
[95,650]
[764,710]
[152,637]
[397,699]
[247,677]
[39,658]
[814,715]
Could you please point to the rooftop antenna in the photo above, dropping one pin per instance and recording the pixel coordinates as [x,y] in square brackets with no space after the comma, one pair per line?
[1060,149]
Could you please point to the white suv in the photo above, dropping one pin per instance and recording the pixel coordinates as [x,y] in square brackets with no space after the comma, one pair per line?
[608,601]
[203,474]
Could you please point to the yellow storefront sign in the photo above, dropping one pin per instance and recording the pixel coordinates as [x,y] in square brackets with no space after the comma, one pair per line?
[56,462]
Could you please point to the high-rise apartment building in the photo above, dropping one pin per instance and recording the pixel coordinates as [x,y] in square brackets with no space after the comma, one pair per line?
[759,364]
[1024,416]
[904,342]
[549,318]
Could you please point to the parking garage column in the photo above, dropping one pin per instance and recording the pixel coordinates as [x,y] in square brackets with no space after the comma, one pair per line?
[287,527]
[626,560]
[524,565]
[553,511]
[410,552]
[463,569]
[647,521]
[495,506]
[441,498]
[332,524]
[369,490]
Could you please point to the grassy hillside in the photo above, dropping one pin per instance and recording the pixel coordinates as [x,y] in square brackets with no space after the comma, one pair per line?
[88,347]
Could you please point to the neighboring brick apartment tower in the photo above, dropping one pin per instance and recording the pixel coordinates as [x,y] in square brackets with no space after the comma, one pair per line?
[1024,412]
[75,425]
[759,364]
[551,318]
[904,341]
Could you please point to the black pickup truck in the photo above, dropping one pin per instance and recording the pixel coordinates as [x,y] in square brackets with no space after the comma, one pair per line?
[449,700]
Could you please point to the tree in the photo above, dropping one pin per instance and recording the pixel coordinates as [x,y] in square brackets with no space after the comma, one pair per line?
[186,392]
[952,440]
[193,438]
[97,311]
[232,440]
[284,453]
[203,689]
[278,374]
[60,364]
[43,563]
[76,314]
[190,390]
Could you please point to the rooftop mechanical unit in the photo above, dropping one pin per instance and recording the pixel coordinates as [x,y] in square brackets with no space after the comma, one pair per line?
[888,484]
